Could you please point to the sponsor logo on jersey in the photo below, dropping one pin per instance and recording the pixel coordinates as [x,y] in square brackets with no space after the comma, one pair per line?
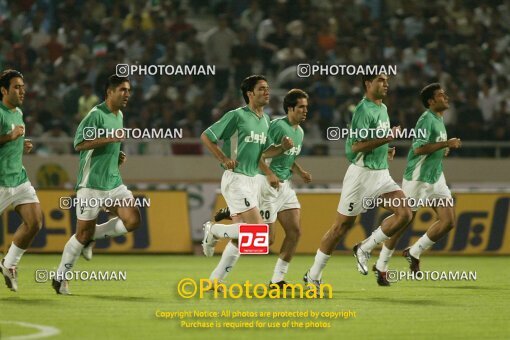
[259,138]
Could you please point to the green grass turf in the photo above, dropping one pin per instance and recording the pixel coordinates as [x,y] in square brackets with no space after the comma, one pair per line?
[126,310]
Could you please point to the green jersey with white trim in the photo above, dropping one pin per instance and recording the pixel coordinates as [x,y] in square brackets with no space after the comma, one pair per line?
[368,117]
[427,168]
[99,168]
[281,165]
[12,172]
[245,137]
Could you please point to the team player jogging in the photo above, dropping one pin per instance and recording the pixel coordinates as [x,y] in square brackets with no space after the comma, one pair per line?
[244,132]
[15,188]
[366,177]
[424,180]
[99,178]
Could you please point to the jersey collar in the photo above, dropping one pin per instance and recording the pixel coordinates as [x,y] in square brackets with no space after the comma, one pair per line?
[255,114]
[6,108]
[435,115]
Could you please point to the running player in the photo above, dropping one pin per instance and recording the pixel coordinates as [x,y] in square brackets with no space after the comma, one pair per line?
[424,180]
[245,135]
[15,188]
[99,178]
[367,177]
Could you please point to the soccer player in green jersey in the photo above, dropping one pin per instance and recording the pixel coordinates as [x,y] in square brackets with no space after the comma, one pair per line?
[424,180]
[366,178]
[277,198]
[244,132]
[15,188]
[99,177]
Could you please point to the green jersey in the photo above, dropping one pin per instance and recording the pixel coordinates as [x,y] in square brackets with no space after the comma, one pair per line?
[99,168]
[245,137]
[281,165]
[368,117]
[427,168]
[12,172]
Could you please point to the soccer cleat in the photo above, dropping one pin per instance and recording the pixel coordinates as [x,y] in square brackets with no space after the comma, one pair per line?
[86,252]
[381,277]
[222,214]
[278,285]
[309,280]
[61,287]
[361,259]
[209,241]
[414,263]
[10,276]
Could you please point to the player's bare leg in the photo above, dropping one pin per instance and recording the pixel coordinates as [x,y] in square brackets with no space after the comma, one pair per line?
[290,221]
[31,216]
[434,233]
[127,220]
[401,217]
[330,240]
[230,254]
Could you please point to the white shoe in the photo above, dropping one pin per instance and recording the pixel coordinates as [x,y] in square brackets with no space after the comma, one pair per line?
[309,281]
[362,259]
[10,276]
[209,241]
[61,287]
[86,252]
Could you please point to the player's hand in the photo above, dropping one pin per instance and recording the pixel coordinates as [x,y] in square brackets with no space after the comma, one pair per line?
[229,164]
[454,143]
[287,143]
[18,131]
[122,158]
[27,146]
[306,176]
[446,152]
[394,131]
[274,182]
[391,153]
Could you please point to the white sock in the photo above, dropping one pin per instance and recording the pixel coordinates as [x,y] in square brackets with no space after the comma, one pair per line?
[384,258]
[71,253]
[420,246]
[13,256]
[228,261]
[225,230]
[320,262]
[280,270]
[112,228]
[376,238]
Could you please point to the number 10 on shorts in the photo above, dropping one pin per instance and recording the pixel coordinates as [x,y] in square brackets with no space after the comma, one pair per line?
[254,239]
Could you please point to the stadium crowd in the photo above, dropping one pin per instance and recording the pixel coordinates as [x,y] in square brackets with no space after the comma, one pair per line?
[66,49]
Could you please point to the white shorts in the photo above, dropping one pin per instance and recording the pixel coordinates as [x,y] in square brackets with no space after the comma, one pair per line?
[240,192]
[272,201]
[22,194]
[88,213]
[423,190]
[361,183]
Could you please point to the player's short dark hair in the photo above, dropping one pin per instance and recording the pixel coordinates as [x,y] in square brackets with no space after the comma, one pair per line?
[428,93]
[368,77]
[114,81]
[292,97]
[248,84]
[5,79]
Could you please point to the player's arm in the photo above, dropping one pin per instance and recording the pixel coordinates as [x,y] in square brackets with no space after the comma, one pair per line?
[96,143]
[305,175]
[17,132]
[275,150]
[369,145]
[270,176]
[217,153]
[426,149]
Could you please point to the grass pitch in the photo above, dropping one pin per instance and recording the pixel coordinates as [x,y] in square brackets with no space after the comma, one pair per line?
[127,309]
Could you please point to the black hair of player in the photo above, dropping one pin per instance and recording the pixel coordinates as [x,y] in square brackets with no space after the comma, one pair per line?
[368,77]
[5,79]
[292,97]
[112,83]
[428,93]
[248,84]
